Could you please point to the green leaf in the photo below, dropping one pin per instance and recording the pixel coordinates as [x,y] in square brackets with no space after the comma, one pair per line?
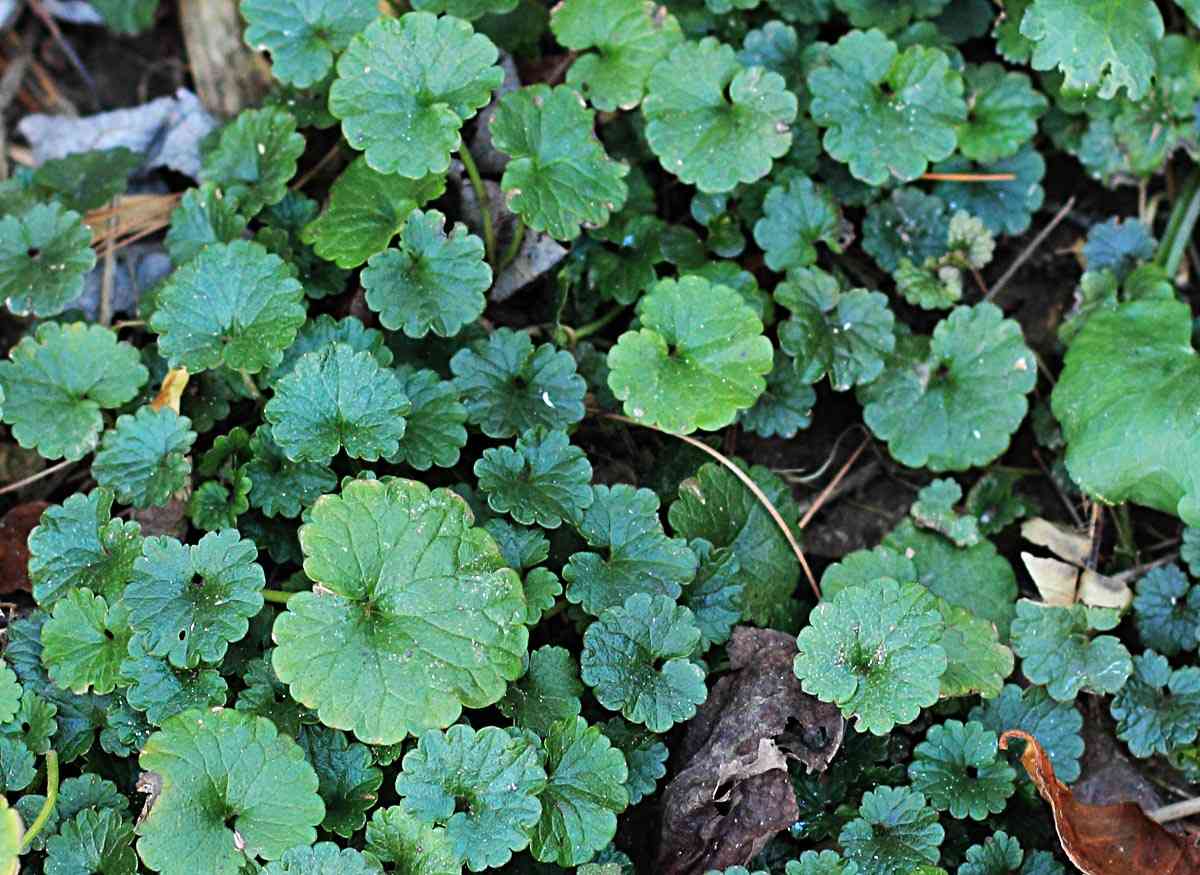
[1001,854]
[548,691]
[395,836]
[640,557]
[84,641]
[887,113]
[434,432]
[1005,207]
[348,782]
[821,863]
[338,399]
[266,696]
[204,215]
[958,768]
[508,387]
[1100,46]
[84,181]
[845,334]
[895,832]
[366,210]
[44,254]
[712,122]
[977,661]
[583,796]
[698,358]
[630,37]
[319,333]
[499,774]
[934,509]
[993,501]
[144,459]
[92,841]
[975,578]
[1056,725]
[214,506]
[10,693]
[432,282]
[128,16]
[304,35]
[785,406]
[1158,710]
[390,614]
[55,384]
[279,486]
[255,157]
[873,651]
[716,506]
[234,304]
[89,791]
[189,603]
[910,224]
[163,691]
[522,547]
[1118,245]
[393,78]
[323,858]
[16,765]
[1057,651]
[78,545]
[1167,610]
[1002,113]
[233,789]
[543,481]
[542,589]
[467,9]
[35,722]
[558,176]
[715,595]
[1127,383]
[645,756]
[635,658]
[796,216]
[954,400]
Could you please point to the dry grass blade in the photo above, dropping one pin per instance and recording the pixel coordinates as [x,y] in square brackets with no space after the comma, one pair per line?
[128,219]
[746,481]
[969,177]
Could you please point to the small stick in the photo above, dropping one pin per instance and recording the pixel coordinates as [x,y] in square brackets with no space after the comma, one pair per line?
[1062,495]
[832,485]
[746,481]
[969,177]
[51,25]
[1175,811]
[1030,249]
[33,478]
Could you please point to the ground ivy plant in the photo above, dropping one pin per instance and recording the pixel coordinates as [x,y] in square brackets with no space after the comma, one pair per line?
[411,521]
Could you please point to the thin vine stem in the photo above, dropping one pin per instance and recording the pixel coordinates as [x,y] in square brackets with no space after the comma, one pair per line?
[48,806]
[278,596]
[484,202]
[33,478]
[1180,225]
[746,481]
[513,247]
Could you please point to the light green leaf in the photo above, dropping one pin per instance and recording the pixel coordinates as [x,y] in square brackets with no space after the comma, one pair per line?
[163,691]
[698,358]
[189,603]
[1002,113]
[304,35]
[366,210]
[55,384]
[44,254]
[934,509]
[543,481]
[254,158]
[323,858]
[630,37]
[144,459]
[92,841]
[559,176]
[395,836]
[958,767]
[233,789]
[393,79]
[1057,650]
[499,773]
[635,658]
[234,304]
[433,432]
[548,691]
[796,216]
[84,641]
[338,399]
[432,282]
[425,620]
[896,833]
[711,121]
[204,215]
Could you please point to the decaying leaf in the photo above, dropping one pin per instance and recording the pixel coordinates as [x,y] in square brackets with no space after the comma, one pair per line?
[1114,839]
[732,793]
[173,385]
[15,527]
[1066,580]
[1065,543]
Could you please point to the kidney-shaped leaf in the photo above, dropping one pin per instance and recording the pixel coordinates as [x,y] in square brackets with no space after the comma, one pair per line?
[415,617]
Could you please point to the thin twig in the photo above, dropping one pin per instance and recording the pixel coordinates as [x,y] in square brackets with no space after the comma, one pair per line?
[1175,811]
[832,485]
[1030,249]
[33,478]
[1096,535]
[51,25]
[1138,570]
[754,488]
[1062,495]
[10,84]
[969,177]
[106,283]
[316,168]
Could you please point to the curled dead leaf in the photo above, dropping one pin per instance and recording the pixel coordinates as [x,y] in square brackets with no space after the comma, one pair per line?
[14,552]
[173,385]
[1061,541]
[1117,839]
